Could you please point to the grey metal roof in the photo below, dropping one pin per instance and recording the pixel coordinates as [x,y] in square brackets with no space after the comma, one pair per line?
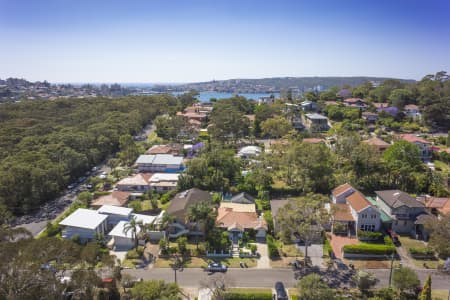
[316,116]
[167,159]
[145,159]
[397,198]
[186,198]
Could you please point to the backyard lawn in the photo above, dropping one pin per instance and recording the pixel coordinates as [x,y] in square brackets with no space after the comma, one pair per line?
[440,294]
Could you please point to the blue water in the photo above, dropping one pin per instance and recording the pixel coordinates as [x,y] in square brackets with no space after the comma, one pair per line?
[206,96]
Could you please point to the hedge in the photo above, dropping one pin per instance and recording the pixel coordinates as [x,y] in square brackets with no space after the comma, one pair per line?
[272,247]
[369,235]
[369,249]
[247,296]
[327,249]
[421,251]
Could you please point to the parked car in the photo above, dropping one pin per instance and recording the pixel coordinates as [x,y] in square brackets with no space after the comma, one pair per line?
[394,237]
[280,291]
[216,267]
[71,186]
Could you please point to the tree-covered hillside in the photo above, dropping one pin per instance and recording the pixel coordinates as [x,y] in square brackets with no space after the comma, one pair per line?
[44,145]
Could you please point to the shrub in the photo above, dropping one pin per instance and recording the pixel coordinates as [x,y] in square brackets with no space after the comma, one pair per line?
[421,251]
[247,296]
[133,254]
[272,247]
[363,248]
[327,250]
[253,248]
[369,235]
[52,229]
[388,241]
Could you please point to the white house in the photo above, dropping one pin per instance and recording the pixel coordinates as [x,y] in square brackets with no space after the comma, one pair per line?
[85,223]
[412,110]
[353,211]
[249,152]
[164,163]
[115,214]
[123,239]
[163,182]
[423,144]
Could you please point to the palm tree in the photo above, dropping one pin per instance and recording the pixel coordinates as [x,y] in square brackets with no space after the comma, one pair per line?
[164,224]
[203,215]
[133,226]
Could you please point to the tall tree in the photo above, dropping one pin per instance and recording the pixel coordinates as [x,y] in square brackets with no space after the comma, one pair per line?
[155,290]
[405,280]
[311,287]
[276,127]
[426,291]
[227,123]
[133,226]
[303,218]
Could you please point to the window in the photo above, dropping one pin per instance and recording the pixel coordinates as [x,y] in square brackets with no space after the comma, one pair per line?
[404,223]
[364,216]
[362,227]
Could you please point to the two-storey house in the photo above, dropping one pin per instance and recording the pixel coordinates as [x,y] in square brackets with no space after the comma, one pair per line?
[423,144]
[351,211]
[401,208]
[160,163]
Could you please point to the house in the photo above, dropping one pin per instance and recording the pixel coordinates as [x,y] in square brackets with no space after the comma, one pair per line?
[377,143]
[242,198]
[412,111]
[437,205]
[174,149]
[160,163]
[137,183]
[178,209]
[84,223]
[266,100]
[355,102]
[380,105]
[370,117]
[423,144]
[116,198]
[115,214]
[351,211]
[402,208]
[237,218]
[163,182]
[123,239]
[315,122]
[308,106]
[198,116]
[275,206]
[390,110]
[249,152]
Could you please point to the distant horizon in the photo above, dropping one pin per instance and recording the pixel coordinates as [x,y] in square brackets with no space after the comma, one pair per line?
[194,82]
[187,41]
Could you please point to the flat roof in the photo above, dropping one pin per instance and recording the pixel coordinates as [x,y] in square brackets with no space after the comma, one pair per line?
[316,116]
[115,210]
[157,177]
[167,159]
[118,230]
[146,219]
[84,218]
[145,159]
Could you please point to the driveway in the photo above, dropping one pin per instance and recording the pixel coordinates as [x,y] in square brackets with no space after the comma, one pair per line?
[315,253]
[338,242]
[263,261]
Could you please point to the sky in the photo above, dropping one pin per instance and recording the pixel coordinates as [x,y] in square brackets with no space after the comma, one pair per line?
[174,41]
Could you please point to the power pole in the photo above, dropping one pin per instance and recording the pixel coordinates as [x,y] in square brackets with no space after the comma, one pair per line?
[392,266]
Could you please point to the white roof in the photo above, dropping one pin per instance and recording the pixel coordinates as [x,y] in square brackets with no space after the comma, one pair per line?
[316,116]
[146,219]
[167,159]
[160,159]
[115,210]
[145,159]
[157,177]
[119,228]
[84,218]
[250,150]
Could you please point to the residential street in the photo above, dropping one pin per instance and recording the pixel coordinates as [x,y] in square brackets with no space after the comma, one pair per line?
[191,277]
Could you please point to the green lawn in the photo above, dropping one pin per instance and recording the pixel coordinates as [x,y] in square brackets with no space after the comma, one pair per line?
[408,242]
[440,294]
[441,165]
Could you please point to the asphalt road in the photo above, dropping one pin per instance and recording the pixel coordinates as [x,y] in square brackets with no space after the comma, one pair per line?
[191,277]
[37,226]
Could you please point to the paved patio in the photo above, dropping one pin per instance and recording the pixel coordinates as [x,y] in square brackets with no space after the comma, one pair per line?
[338,242]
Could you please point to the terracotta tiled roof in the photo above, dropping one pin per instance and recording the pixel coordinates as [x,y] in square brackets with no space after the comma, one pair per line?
[354,100]
[342,188]
[239,207]
[228,218]
[413,139]
[341,212]
[411,107]
[137,179]
[358,201]
[441,204]
[330,103]
[376,142]
[116,198]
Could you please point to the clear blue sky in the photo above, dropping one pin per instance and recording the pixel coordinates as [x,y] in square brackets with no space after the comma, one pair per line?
[185,41]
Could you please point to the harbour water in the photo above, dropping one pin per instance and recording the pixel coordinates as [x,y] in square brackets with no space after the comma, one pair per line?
[207,96]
